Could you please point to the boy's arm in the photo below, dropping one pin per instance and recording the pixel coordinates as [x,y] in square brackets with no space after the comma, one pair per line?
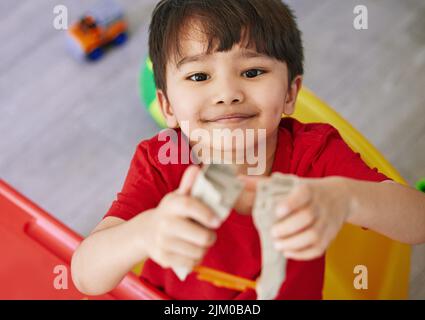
[389,208]
[177,233]
[313,213]
[113,248]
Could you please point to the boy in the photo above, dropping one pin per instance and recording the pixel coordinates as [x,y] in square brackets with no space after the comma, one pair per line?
[236,65]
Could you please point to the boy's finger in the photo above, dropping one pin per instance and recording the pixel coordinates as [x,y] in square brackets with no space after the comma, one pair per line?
[188,179]
[299,197]
[174,260]
[306,254]
[193,233]
[297,242]
[185,248]
[293,224]
[197,211]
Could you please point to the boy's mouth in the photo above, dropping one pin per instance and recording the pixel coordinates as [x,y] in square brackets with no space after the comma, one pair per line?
[231,118]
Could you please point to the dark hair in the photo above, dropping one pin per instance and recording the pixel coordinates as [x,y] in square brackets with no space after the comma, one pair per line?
[269,24]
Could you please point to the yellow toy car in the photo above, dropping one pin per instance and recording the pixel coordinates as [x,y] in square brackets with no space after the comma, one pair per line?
[103,25]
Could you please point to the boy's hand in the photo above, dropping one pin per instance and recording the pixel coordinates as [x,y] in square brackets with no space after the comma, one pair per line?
[181,228]
[309,217]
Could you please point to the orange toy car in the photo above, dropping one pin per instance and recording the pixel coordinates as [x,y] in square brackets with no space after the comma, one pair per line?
[104,24]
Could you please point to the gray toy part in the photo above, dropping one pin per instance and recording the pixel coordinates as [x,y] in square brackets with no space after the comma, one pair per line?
[218,188]
[273,270]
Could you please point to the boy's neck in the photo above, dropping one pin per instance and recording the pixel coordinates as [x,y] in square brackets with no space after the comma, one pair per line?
[245,168]
[271,146]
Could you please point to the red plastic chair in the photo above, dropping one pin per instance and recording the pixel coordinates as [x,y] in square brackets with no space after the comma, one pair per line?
[32,244]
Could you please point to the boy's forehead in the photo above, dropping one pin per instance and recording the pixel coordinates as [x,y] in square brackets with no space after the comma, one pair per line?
[193,46]
[193,42]
[195,49]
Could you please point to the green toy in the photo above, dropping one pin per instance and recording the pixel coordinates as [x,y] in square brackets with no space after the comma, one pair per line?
[420,185]
[148,93]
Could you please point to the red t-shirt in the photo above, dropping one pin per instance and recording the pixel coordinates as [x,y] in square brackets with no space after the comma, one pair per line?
[306,150]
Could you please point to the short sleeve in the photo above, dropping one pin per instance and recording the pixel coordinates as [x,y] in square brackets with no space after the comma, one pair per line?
[143,188]
[336,158]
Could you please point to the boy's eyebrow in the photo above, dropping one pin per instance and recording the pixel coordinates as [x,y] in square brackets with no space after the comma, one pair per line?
[199,57]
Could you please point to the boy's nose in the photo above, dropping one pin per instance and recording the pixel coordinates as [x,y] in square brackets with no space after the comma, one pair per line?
[228,91]
[229,96]
[225,101]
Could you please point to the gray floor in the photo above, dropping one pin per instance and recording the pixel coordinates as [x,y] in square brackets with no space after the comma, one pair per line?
[69,130]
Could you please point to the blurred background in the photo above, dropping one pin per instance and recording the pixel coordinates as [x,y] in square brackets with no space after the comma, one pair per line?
[69,129]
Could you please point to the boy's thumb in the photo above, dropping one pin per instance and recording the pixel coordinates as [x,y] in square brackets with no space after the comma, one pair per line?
[188,180]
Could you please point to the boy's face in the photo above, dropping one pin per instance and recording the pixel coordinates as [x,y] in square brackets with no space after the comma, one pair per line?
[235,89]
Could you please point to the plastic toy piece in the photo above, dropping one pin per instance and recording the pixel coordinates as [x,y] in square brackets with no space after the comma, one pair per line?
[148,93]
[420,185]
[218,188]
[104,24]
[273,269]
[223,279]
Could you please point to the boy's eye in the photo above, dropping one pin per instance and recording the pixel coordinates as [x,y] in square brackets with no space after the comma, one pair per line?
[253,73]
[198,77]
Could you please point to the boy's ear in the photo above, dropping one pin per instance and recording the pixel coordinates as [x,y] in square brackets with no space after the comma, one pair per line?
[292,94]
[166,109]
